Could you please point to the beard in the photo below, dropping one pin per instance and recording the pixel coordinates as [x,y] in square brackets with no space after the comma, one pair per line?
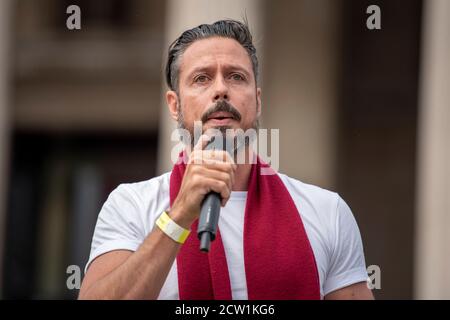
[220,106]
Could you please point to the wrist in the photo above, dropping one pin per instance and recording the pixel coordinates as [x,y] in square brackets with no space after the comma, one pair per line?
[181,219]
[172,229]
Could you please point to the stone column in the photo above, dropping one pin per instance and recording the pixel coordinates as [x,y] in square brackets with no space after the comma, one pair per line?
[300,92]
[432,256]
[6,13]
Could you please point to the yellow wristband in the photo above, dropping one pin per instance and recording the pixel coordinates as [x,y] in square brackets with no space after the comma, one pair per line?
[172,229]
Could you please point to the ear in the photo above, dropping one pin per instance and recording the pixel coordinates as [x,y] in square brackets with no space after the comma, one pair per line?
[258,100]
[172,104]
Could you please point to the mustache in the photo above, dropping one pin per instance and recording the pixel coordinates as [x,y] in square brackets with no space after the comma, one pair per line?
[222,106]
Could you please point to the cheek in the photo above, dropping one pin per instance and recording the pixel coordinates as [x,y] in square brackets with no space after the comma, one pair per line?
[249,116]
[248,105]
[192,107]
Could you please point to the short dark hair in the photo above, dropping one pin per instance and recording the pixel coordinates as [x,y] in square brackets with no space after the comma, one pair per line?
[223,28]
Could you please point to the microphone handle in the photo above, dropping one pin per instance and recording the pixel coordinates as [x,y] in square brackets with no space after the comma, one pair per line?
[209,219]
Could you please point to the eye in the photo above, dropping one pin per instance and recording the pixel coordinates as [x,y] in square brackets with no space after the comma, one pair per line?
[201,78]
[237,77]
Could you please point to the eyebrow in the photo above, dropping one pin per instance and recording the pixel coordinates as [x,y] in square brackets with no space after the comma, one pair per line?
[226,67]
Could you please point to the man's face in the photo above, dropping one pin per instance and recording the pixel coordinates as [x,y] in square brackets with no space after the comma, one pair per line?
[216,74]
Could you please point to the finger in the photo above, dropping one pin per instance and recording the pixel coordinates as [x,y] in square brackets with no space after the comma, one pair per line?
[202,142]
[224,202]
[226,177]
[213,163]
[203,174]
[218,155]
[224,167]
[199,146]
[220,187]
[209,184]
[222,171]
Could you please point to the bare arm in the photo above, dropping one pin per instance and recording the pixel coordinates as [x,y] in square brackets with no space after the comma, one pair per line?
[357,291]
[122,274]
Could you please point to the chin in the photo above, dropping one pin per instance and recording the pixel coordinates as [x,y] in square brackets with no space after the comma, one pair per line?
[222,128]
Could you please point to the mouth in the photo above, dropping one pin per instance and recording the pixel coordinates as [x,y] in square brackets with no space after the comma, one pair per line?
[221,116]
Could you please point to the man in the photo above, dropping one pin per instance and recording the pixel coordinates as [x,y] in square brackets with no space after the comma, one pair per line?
[278,238]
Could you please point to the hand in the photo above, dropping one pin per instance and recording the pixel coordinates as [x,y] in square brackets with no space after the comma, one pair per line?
[206,171]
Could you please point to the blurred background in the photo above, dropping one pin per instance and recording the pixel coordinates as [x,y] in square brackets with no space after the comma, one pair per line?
[362,112]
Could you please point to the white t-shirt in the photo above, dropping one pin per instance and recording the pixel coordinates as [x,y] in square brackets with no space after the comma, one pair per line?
[131,210]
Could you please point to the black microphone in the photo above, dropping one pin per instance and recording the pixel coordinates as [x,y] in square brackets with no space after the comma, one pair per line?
[210,208]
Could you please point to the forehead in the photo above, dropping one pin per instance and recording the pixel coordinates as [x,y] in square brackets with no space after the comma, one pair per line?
[215,50]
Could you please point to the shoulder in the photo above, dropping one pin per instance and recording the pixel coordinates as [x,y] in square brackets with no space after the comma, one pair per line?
[321,201]
[141,191]
[144,200]
[328,207]
[318,208]
[128,215]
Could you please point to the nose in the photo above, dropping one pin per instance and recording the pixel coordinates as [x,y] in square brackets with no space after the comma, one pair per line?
[220,89]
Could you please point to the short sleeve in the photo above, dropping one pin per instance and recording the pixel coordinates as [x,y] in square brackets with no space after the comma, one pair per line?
[347,265]
[119,225]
